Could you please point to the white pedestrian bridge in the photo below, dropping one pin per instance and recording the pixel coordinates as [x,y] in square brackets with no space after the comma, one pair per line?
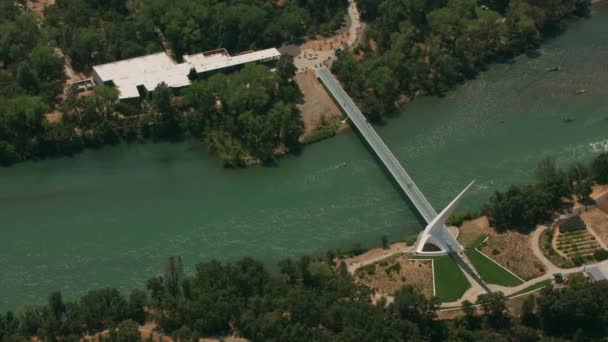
[436,232]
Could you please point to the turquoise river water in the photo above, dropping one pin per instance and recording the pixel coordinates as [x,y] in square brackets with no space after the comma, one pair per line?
[111,217]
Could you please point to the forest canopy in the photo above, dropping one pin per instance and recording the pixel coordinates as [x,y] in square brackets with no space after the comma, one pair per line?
[426,47]
[94,32]
[306,300]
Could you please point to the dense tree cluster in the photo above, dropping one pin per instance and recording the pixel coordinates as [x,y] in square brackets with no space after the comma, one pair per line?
[522,207]
[308,300]
[249,113]
[244,115]
[237,25]
[416,46]
[95,32]
[31,76]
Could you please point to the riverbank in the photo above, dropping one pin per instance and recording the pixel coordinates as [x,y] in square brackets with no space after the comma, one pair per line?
[150,201]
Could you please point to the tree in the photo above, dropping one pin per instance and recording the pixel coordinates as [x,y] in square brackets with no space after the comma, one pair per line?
[27,78]
[556,308]
[104,99]
[174,275]
[169,121]
[285,67]
[56,306]
[470,315]
[102,309]
[527,315]
[495,310]
[31,318]
[385,242]
[599,168]
[137,302]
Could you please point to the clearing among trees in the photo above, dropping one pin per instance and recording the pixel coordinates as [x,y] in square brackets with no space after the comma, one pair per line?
[390,274]
[319,112]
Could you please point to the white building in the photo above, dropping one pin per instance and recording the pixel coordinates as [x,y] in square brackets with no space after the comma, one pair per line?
[135,76]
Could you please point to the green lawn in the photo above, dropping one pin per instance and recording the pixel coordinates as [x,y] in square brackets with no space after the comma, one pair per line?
[450,282]
[489,271]
[536,286]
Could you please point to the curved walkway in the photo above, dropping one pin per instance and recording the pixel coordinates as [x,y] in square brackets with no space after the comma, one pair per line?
[550,269]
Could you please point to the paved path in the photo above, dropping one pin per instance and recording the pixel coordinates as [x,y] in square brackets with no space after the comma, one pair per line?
[314,54]
[373,256]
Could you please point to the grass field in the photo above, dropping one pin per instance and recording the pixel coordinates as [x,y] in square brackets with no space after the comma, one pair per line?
[450,282]
[489,271]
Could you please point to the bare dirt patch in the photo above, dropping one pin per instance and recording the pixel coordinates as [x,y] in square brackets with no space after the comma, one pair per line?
[597,220]
[317,103]
[38,6]
[603,207]
[511,249]
[390,274]
[54,116]
[372,256]
[471,230]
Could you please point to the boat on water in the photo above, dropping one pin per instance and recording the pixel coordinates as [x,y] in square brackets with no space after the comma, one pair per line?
[569,119]
[581,91]
[551,69]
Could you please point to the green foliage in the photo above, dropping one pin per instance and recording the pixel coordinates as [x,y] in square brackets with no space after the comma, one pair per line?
[307,301]
[325,129]
[427,47]
[93,33]
[599,168]
[458,218]
[520,208]
[244,114]
[495,308]
[600,255]
[411,239]
[385,244]
[126,331]
[587,300]
[393,268]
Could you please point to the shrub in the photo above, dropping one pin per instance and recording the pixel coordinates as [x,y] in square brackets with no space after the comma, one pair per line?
[394,268]
[600,254]
[577,259]
[495,251]
[411,239]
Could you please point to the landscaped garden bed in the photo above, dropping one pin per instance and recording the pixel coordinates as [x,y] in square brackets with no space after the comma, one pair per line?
[390,274]
[489,270]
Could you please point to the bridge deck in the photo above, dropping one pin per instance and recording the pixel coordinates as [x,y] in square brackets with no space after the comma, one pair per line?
[383,152]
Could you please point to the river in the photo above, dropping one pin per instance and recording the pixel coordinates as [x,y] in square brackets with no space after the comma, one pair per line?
[112,217]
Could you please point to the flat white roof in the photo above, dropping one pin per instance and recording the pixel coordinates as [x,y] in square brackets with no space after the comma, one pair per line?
[598,272]
[151,70]
[202,63]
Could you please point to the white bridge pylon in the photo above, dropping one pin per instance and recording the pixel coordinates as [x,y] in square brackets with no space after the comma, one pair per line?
[436,232]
